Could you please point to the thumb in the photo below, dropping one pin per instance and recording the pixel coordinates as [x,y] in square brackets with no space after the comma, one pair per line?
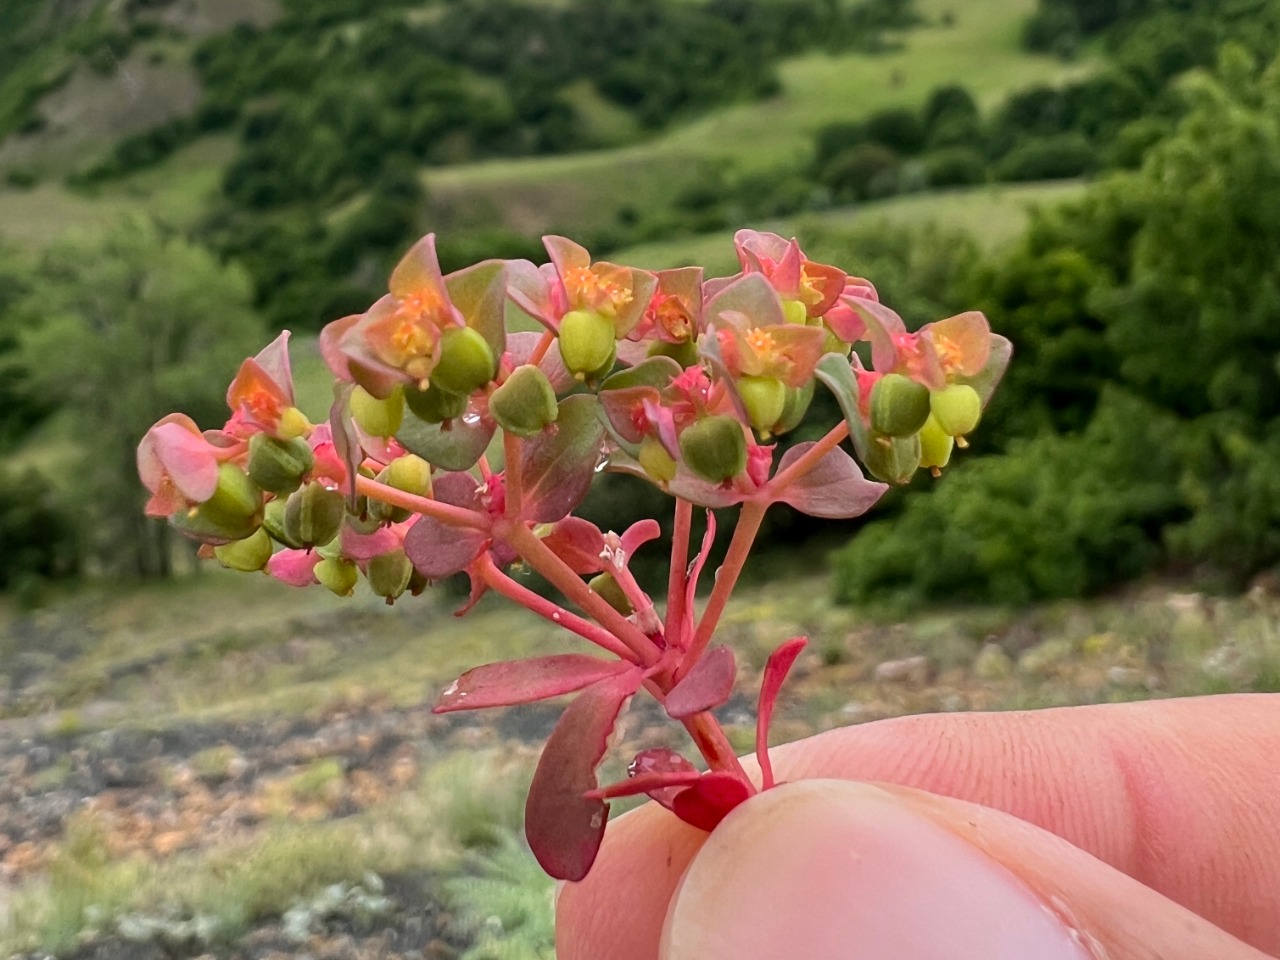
[827,869]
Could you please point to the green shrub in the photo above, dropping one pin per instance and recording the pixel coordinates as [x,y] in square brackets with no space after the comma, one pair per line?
[37,537]
[899,129]
[861,172]
[1056,516]
[1048,158]
[954,166]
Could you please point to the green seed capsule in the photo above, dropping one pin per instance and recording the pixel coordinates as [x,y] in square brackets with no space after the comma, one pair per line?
[525,403]
[715,448]
[764,399]
[684,353]
[957,409]
[378,418]
[588,342]
[338,576]
[899,405]
[935,446]
[273,523]
[655,460]
[235,497]
[466,362]
[797,405]
[609,590]
[893,459]
[313,514]
[795,312]
[278,465]
[435,404]
[409,473]
[248,555]
[389,573]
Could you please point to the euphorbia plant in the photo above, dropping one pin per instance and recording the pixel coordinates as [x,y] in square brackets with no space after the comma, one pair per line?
[456,445]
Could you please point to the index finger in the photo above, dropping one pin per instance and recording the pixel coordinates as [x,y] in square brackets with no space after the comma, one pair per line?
[1182,795]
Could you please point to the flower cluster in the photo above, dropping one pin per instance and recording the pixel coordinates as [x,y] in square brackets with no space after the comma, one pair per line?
[474,410]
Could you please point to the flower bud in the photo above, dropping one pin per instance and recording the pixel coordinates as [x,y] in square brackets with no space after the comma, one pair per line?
[935,446]
[715,448]
[313,514]
[378,418]
[273,523]
[655,460]
[435,404]
[795,312]
[466,362]
[764,399]
[525,403]
[609,590]
[899,405]
[336,575]
[278,466]
[409,473]
[389,573]
[248,555]
[293,424]
[796,406]
[893,459]
[684,353]
[588,342]
[957,409]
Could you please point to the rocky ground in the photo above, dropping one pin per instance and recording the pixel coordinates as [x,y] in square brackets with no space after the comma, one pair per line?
[159,786]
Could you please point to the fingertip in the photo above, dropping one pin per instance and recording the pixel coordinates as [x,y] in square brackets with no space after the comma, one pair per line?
[836,869]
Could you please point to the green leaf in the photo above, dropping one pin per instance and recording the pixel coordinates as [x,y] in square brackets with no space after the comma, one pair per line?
[556,467]
[655,372]
[457,448]
[480,292]
[836,373]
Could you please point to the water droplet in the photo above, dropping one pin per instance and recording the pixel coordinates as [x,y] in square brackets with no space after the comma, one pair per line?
[556,616]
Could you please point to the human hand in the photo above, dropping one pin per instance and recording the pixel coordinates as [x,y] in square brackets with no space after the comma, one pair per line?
[1125,832]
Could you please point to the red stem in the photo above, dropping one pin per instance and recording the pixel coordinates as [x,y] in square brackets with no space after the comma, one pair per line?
[511,473]
[509,588]
[541,558]
[541,349]
[444,512]
[744,535]
[679,569]
[804,463]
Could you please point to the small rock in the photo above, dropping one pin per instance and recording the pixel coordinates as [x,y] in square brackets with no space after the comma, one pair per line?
[992,663]
[1126,677]
[1044,659]
[911,670]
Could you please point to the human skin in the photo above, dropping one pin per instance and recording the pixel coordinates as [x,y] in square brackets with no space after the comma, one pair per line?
[1125,832]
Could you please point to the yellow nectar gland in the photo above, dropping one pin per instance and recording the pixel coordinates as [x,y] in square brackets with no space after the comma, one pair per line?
[762,343]
[811,288]
[950,355]
[590,291]
[674,319]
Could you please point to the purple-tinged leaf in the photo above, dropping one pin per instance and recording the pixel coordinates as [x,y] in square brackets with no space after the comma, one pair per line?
[458,447]
[520,348]
[775,672]
[175,449]
[579,543]
[707,686]
[834,489]
[274,361]
[655,372]
[365,546]
[709,801]
[438,550]
[563,825]
[836,372]
[883,325]
[986,379]
[557,465]
[661,762]
[617,408]
[342,431]
[526,681]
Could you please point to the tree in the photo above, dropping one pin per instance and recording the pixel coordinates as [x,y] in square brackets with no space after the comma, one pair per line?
[119,328]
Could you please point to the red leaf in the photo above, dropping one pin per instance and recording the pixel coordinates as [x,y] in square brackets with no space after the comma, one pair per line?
[439,550]
[660,761]
[558,465]
[775,671]
[525,681]
[649,783]
[835,489]
[579,543]
[638,534]
[708,685]
[563,825]
[709,801]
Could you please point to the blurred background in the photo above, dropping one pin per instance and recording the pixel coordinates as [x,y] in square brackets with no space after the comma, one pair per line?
[194,761]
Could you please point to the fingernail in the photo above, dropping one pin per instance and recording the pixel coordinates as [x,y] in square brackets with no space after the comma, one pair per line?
[834,869]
